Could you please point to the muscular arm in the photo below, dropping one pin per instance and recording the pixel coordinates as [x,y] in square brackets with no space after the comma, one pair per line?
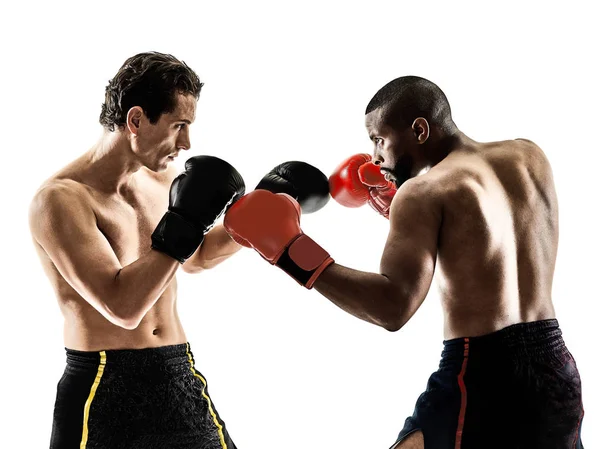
[216,247]
[64,225]
[389,299]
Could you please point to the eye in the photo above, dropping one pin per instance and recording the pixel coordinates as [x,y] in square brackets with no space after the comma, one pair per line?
[378,141]
[181,126]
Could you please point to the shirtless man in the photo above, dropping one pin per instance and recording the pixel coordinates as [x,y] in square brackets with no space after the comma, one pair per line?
[130,379]
[486,214]
[111,229]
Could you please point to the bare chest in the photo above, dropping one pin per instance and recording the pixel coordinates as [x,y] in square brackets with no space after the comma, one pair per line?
[127,221]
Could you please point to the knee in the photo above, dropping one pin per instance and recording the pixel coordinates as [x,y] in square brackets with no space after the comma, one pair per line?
[413,441]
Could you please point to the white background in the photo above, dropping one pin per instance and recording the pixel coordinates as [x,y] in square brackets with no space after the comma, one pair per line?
[287,81]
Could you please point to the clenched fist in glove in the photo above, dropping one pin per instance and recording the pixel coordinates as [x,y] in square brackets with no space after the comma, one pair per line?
[305,183]
[270,223]
[357,181]
[197,198]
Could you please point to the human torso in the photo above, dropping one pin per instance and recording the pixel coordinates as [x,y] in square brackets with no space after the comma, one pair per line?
[498,239]
[126,219]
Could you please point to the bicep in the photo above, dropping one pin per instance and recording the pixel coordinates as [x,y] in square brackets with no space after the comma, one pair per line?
[410,252]
[65,227]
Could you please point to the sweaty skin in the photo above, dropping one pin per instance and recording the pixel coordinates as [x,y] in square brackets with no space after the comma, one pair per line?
[91,225]
[486,214]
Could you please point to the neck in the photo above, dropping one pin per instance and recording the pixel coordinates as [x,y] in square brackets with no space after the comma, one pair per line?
[441,146]
[110,163]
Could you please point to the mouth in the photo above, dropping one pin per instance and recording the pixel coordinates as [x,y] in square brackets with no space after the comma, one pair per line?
[387,174]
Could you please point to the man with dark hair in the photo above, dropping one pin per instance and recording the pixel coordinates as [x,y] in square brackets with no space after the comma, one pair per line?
[486,214]
[111,228]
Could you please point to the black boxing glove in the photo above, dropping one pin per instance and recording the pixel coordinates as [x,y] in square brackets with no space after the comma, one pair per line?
[206,188]
[303,182]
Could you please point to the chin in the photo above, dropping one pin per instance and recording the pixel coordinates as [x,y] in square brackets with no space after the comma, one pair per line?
[400,175]
[399,180]
[158,167]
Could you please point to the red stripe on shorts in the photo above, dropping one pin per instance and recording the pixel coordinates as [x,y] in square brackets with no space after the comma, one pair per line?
[463,397]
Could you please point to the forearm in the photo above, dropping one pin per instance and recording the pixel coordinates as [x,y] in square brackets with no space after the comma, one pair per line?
[216,247]
[368,296]
[137,287]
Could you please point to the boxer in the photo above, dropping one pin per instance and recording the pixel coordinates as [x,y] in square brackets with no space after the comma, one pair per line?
[484,214]
[111,230]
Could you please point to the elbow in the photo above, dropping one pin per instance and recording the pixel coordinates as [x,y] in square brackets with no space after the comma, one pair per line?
[127,322]
[390,322]
[119,307]
[126,319]
[399,309]
[395,317]
[392,325]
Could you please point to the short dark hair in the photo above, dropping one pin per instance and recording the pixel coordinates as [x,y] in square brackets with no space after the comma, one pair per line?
[149,80]
[409,97]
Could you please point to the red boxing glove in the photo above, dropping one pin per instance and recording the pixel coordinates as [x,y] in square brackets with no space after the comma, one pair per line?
[344,184]
[270,223]
[357,181]
[381,191]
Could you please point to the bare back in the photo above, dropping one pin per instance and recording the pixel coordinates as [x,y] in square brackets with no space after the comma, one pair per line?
[125,220]
[499,236]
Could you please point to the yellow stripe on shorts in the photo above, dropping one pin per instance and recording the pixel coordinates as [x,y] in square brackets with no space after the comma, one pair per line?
[210,408]
[88,403]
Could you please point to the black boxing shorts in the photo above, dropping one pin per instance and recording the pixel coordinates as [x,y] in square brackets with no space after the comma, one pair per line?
[135,398]
[515,388]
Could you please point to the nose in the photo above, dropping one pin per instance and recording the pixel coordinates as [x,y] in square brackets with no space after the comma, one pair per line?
[377,158]
[183,142]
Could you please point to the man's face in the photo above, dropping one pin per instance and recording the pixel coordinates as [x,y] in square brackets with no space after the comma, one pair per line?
[158,144]
[393,148]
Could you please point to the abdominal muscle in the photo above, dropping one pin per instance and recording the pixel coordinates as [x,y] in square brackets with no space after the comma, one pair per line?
[85,329]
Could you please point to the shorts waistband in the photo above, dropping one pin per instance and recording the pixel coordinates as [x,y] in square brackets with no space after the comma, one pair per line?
[141,358]
[542,337]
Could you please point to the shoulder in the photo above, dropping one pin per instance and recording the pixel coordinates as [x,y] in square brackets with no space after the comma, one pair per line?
[442,180]
[528,146]
[527,143]
[59,191]
[421,195]
[64,186]
[422,187]
[55,200]
[524,157]
[533,150]
[457,183]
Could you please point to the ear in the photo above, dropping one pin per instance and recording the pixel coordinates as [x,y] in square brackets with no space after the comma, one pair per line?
[134,118]
[421,129]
